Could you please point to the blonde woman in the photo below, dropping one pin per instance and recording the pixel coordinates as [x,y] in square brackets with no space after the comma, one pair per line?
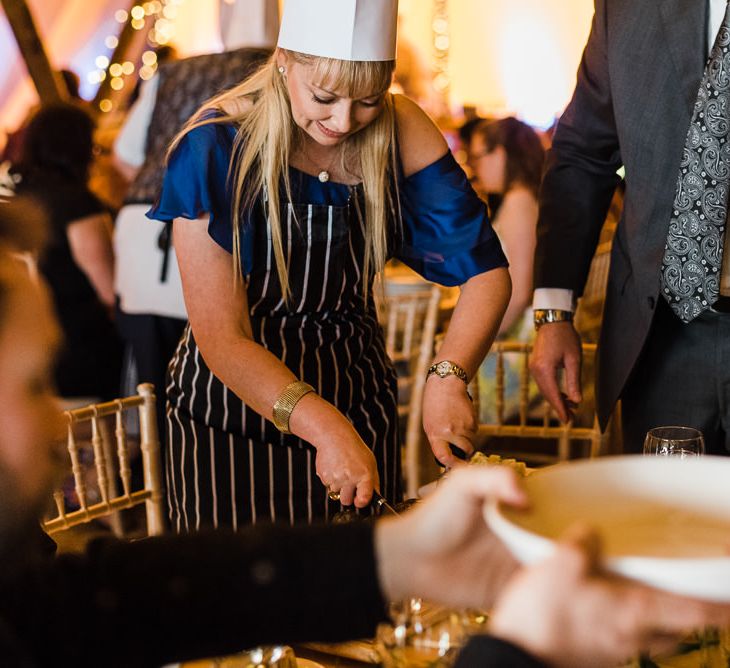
[289,193]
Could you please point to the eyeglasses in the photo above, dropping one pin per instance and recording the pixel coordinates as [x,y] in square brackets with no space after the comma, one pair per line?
[473,158]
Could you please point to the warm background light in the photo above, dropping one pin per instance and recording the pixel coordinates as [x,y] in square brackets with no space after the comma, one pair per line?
[514,56]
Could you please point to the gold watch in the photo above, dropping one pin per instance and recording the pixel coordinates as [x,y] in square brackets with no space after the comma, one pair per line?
[446,368]
[543,316]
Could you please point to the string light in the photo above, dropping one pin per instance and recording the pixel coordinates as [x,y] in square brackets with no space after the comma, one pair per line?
[441,44]
[162,14]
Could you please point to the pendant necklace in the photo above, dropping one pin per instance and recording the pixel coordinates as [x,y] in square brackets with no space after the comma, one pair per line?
[324,174]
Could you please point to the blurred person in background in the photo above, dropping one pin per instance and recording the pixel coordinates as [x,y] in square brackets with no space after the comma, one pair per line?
[152,312]
[13,150]
[78,263]
[506,157]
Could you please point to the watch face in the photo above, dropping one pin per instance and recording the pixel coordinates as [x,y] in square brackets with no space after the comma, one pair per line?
[443,368]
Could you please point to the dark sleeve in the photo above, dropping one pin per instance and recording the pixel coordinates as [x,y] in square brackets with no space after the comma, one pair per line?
[580,174]
[447,236]
[489,652]
[80,204]
[167,599]
[65,202]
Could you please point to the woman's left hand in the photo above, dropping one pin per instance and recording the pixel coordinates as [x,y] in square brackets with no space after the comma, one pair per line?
[448,418]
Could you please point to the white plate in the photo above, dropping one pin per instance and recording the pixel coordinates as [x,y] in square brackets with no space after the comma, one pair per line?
[664,521]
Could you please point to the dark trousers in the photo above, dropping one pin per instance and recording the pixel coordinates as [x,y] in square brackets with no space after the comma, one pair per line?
[681,378]
[153,340]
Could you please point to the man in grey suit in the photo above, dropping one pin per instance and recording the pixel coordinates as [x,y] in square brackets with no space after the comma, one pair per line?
[653,95]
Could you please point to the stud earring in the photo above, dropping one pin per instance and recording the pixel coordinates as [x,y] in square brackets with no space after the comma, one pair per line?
[282,69]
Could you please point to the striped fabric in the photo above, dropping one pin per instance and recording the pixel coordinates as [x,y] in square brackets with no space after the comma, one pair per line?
[226,465]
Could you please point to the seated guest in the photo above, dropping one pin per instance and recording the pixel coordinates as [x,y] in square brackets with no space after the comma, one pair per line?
[187,596]
[506,157]
[78,262]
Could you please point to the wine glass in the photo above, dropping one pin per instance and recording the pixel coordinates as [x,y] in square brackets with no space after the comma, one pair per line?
[683,442]
[422,635]
[674,442]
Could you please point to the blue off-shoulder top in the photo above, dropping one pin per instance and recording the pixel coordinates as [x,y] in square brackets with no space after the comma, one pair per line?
[446,234]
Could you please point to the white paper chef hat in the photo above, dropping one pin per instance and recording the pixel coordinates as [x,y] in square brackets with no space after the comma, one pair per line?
[341,29]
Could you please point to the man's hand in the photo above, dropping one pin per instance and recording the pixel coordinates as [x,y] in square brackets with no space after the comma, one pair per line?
[442,549]
[568,613]
[557,346]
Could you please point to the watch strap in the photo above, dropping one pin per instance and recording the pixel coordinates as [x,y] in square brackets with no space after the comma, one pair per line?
[543,316]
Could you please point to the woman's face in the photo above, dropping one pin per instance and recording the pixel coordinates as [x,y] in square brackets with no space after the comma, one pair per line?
[32,448]
[489,167]
[327,116]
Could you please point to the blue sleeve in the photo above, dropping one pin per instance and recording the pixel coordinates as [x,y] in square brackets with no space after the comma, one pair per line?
[447,236]
[196,184]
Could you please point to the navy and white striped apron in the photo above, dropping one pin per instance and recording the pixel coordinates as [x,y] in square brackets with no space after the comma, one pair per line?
[226,465]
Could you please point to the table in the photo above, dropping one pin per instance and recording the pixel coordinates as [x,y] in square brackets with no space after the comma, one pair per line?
[325,659]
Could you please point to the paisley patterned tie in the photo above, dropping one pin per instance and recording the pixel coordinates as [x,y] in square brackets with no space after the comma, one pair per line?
[693,254]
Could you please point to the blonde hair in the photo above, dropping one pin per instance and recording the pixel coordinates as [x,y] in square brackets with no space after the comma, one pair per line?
[267,135]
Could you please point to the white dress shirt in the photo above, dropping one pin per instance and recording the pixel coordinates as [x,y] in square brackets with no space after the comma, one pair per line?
[562,299]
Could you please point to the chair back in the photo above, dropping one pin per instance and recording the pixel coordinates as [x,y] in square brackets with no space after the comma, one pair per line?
[535,419]
[105,426]
[409,321]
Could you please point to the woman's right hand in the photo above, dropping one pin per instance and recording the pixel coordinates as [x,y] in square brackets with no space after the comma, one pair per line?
[346,466]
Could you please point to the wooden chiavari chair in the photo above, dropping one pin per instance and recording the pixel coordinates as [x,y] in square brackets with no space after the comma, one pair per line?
[409,321]
[111,464]
[535,419]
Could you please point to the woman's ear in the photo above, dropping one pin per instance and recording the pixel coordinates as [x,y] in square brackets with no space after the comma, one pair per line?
[282,60]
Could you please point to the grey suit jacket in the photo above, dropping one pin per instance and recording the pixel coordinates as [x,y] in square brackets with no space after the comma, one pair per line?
[637,83]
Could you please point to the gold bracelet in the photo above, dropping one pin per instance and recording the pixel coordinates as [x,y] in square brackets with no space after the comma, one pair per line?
[284,405]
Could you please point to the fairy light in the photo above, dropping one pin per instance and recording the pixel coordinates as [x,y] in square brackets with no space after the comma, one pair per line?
[162,15]
[441,44]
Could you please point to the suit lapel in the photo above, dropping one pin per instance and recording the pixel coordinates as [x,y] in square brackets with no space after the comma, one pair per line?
[684,23]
